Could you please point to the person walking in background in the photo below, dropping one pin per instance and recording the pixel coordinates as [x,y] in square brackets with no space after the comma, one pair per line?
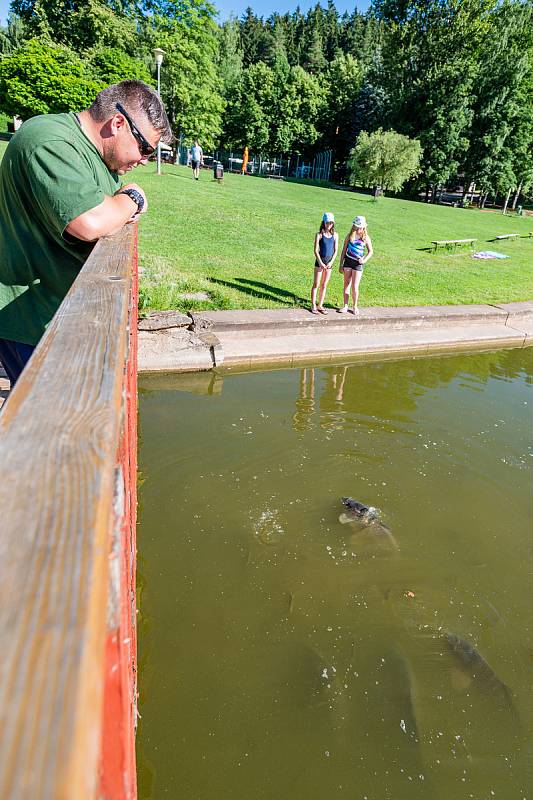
[197,159]
[353,258]
[60,191]
[326,246]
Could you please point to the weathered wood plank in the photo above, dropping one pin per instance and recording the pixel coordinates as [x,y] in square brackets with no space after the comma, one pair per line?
[59,434]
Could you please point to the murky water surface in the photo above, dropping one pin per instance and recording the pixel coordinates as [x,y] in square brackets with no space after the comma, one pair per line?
[284,655]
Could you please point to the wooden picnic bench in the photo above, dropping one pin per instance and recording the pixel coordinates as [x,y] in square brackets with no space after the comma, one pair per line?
[452,242]
[506,236]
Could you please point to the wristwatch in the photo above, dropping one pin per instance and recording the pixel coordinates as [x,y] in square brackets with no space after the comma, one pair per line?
[136,197]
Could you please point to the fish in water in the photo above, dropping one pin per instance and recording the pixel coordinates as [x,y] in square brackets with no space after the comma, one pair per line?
[366,518]
[478,669]
[358,511]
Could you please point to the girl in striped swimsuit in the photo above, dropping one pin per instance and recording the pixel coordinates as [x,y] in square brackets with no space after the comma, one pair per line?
[352,260]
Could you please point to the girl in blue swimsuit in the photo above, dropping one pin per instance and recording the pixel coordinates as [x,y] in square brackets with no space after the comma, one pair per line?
[326,246]
[352,260]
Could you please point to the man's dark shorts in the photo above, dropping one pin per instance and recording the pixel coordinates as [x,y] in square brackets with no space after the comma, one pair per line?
[195,164]
[14,356]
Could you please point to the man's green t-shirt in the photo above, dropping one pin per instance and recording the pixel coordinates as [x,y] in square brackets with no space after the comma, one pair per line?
[50,174]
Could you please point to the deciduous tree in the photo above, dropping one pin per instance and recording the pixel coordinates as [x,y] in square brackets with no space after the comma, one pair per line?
[502,112]
[79,24]
[430,64]
[112,65]
[12,35]
[229,56]
[250,109]
[42,78]
[384,158]
[296,113]
[190,86]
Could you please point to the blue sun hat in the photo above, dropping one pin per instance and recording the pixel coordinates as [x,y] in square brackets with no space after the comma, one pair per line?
[328,217]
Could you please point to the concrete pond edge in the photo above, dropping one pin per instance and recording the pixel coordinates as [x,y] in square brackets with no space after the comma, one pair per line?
[170,341]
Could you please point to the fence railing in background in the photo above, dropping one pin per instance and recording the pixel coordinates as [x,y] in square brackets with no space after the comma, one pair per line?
[274,166]
[67,546]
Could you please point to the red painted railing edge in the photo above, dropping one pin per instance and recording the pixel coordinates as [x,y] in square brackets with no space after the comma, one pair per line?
[117,761]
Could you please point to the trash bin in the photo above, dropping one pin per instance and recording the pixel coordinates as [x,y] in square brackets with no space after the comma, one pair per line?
[218,171]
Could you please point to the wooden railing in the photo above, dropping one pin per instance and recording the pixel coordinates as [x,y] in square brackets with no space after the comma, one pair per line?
[67,546]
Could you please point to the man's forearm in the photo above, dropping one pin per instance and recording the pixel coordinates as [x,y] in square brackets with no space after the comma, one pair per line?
[103,220]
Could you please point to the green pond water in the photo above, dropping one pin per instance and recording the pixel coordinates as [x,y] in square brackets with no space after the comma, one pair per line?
[286,655]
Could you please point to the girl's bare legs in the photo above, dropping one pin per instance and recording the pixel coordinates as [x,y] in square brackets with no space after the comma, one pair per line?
[357,275]
[316,281]
[326,275]
[346,291]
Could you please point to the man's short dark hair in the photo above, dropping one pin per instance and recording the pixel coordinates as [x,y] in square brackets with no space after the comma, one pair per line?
[138,99]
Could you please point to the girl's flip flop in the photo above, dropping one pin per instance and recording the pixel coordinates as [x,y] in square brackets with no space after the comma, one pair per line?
[322,311]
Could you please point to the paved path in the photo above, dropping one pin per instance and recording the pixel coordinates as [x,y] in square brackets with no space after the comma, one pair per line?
[171,342]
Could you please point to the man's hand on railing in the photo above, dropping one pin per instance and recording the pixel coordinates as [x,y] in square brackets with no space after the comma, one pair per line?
[109,217]
[136,188]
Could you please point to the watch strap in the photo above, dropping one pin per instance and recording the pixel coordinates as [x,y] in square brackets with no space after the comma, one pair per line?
[136,197]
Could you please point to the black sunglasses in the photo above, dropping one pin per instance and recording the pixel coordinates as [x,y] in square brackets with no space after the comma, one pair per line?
[145,148]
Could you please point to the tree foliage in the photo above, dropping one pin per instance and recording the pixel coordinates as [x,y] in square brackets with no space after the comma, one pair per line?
[250,109]
[78,24]
[190,86]
[273,116]
[12,36]
[230,55]
[41,78]
[502,110]
[456,75]
[296,112]
[384,158]
[112,65]
[341,93]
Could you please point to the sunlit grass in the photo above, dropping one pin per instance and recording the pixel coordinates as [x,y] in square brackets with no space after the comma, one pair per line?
[248,243]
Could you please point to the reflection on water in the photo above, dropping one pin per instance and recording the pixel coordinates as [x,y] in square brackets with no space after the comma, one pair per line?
[286,655]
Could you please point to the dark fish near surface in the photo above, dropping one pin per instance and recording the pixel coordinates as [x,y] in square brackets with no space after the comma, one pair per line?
[479,670]
[365,514]
[366,517]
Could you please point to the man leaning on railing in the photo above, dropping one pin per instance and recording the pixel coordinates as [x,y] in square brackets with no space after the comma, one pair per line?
[60,191]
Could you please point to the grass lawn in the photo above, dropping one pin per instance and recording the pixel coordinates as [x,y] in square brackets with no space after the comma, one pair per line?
[248,242]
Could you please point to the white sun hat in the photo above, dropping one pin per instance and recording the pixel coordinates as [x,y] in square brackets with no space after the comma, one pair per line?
[328,217]
[359,222]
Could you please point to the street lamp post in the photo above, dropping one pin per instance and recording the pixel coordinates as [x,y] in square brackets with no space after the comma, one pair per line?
[158,53]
